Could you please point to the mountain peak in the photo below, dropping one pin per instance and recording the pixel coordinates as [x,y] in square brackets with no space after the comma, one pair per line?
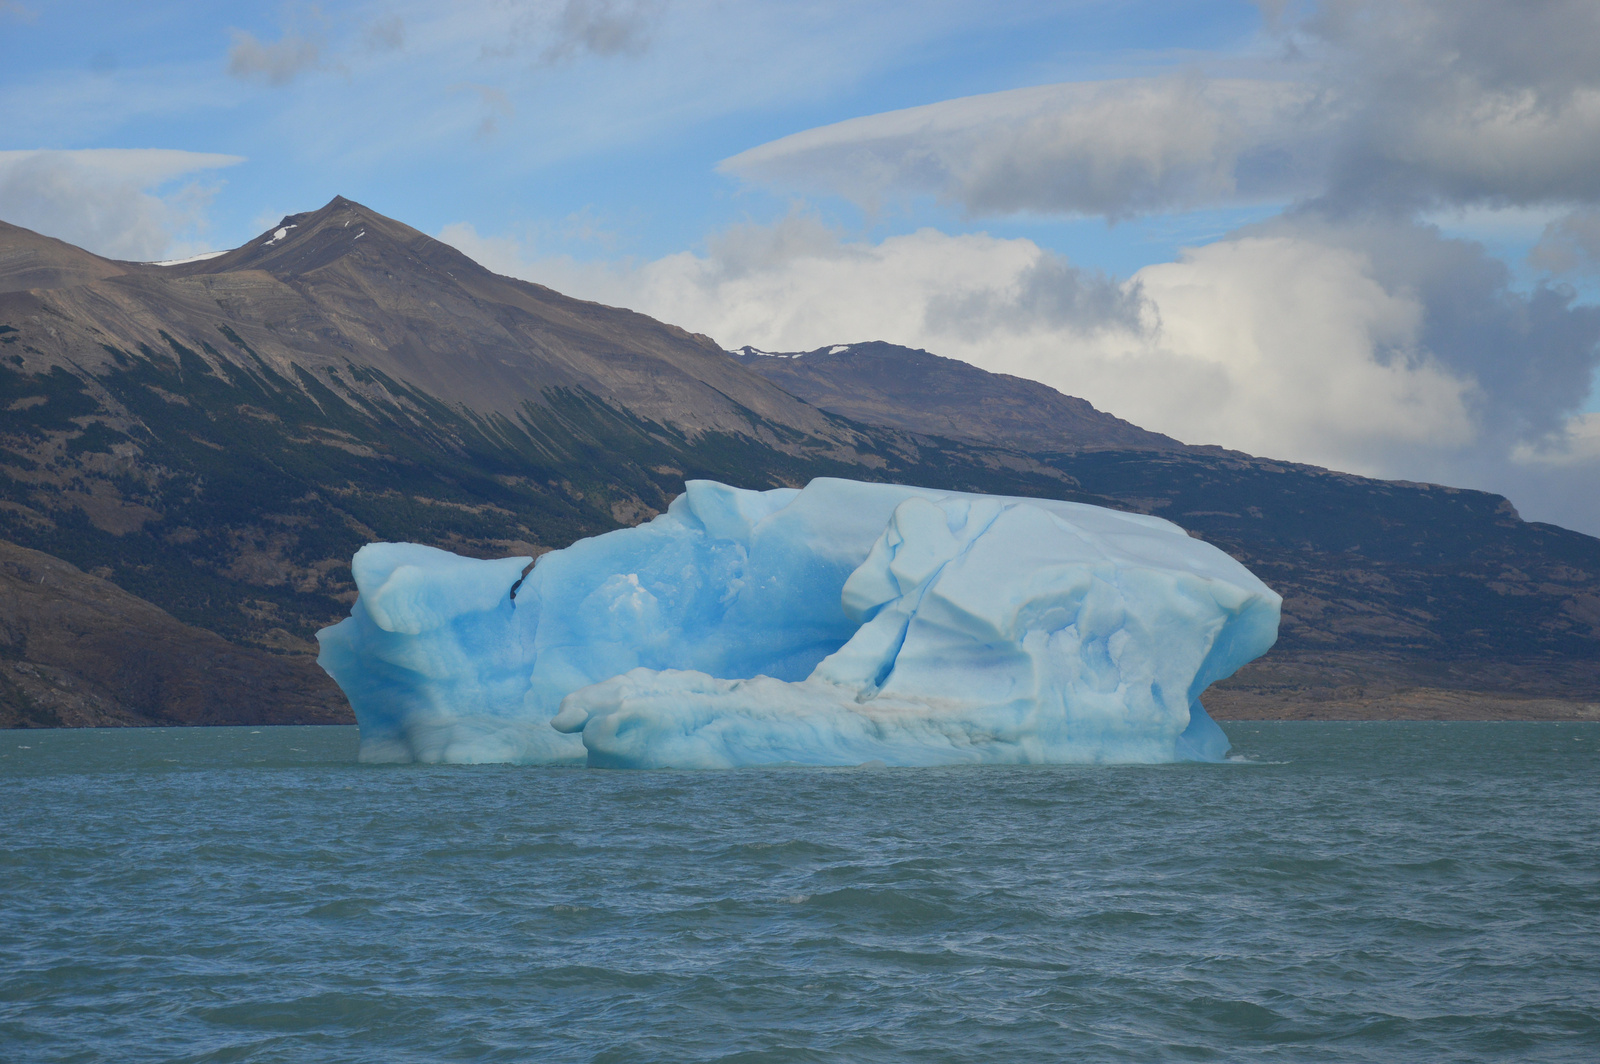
[342,229]
[344,286]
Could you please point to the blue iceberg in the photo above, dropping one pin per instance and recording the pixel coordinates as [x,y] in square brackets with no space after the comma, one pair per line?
[832,625]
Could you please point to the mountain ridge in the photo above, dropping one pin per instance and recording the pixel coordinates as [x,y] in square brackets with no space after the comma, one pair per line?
[219,436]
[213,434]
[344,282]
[887,384]
[1344,543]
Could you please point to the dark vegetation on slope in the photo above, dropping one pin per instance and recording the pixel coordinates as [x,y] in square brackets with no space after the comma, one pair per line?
[236,503]
[78,651]
[219,438]
[1387,587]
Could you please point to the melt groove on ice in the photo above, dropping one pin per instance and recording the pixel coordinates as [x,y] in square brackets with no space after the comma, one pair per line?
[837,624]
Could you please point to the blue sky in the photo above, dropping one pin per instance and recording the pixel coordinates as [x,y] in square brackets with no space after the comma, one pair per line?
[627,142]
[1342,232]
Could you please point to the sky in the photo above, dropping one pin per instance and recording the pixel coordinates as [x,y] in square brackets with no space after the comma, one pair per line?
[1360,235]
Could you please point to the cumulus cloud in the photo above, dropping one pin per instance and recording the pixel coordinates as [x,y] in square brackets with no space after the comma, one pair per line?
[1461,101]
[1276,344]
[272,62]
[1386,350]
[800,284]
[1531,352]
[121,203]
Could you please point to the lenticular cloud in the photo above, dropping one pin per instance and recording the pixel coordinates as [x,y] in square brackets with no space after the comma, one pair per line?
[834,625]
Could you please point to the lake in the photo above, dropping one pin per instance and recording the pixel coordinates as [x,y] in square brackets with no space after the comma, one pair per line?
[1339,892]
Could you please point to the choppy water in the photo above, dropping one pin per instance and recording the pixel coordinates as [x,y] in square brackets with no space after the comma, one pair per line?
[1353,892]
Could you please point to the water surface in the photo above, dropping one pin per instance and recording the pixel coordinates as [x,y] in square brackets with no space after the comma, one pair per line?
[1347,892]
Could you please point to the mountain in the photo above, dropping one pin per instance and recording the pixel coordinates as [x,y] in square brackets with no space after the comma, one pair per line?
[899,387]
[1398,597]
[345,285]
[78,651]
[217,437]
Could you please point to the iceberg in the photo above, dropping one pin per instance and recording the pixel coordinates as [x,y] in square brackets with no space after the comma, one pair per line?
[837,624]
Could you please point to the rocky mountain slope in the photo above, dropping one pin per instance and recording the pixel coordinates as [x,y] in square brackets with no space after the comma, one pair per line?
[218,437]
[900,387]
[346,286]
[78,651]
[1398,598]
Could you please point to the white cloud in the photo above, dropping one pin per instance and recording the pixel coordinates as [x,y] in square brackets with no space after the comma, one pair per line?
[797,284]
[115,202]
[1313,358]
[1294,340]
[1267,344]
[1399,104]
[1114,148]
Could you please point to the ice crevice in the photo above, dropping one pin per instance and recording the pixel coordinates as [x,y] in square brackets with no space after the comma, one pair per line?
[837,624]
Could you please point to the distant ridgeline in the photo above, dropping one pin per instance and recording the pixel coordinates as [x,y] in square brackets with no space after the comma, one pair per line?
[218,438]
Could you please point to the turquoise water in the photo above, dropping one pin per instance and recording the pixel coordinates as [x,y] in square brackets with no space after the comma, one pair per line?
[1348,892]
